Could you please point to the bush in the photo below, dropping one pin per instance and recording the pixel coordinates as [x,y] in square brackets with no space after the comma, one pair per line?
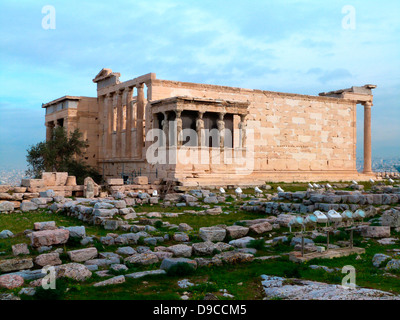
[98,245]
[62,153]
[342,236]
[216,251]
[320,239]
[158,224]
[257,244]
[52,294]
[181,269]
[74,242]
[141,241]
[292,271]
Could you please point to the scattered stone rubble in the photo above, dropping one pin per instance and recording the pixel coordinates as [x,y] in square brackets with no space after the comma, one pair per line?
[141,242]
[295,289]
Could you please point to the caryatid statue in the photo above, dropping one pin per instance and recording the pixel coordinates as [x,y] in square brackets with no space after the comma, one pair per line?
[165,127]
[179,127]
[221,129]
[200,130]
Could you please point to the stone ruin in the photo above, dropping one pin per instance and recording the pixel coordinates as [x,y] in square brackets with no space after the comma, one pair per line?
[33,192]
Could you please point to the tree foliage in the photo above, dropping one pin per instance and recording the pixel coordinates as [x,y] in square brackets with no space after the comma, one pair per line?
[60,154]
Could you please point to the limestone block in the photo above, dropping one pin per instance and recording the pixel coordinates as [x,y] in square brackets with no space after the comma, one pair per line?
[49,237]
[48,259]
[376,232]
[115,182]
[48,225]
[5,188]
[27,206]
[83,254]
[236,232]
[71,181]
[61,178]
[213,234]
[49,178]
[15,264]
[261,228]
[141,180]
[33,183]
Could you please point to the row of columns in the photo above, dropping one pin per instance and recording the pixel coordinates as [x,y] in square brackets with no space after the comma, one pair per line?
[200,128]
[108,114]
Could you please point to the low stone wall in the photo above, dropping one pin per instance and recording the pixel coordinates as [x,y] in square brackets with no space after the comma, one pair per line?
[307,201]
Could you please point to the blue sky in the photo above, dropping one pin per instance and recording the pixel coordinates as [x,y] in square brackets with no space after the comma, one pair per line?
[289,46]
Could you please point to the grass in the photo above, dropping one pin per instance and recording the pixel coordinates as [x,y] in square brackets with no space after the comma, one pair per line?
[17,223]
[243,280]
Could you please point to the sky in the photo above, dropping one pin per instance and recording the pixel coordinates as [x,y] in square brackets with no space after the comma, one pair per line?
[294,46]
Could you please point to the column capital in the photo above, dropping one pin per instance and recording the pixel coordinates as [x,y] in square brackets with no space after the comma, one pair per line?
[368,104]
[165,114]
[178,113]
[128,89]
[140,85]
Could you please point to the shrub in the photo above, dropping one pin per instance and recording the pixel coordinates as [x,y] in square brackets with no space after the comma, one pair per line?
[292,271]
[216,251]
[320,239]
[62,153]
[98,245]
[52,294]
[181,269]
[158,224]
[74,242]
[341,236]
[257,244]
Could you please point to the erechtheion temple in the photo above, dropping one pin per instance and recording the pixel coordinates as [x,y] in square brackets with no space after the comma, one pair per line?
[201,134]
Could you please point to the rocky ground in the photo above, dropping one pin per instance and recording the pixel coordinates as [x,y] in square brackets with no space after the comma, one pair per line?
[295,289]
[199,244]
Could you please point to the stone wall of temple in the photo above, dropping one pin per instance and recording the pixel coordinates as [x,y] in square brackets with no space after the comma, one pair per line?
[304,137]
[276,136]
[77,113]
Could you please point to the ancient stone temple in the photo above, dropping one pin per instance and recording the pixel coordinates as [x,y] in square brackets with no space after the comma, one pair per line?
[201,134]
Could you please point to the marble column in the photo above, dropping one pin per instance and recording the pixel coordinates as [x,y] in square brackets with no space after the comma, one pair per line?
[367,138]
[110,122]
[129,120]
[119,124]
[102,134]
[140,120]
[242,128]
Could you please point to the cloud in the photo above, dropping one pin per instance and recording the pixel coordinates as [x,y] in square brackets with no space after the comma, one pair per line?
[289,46]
